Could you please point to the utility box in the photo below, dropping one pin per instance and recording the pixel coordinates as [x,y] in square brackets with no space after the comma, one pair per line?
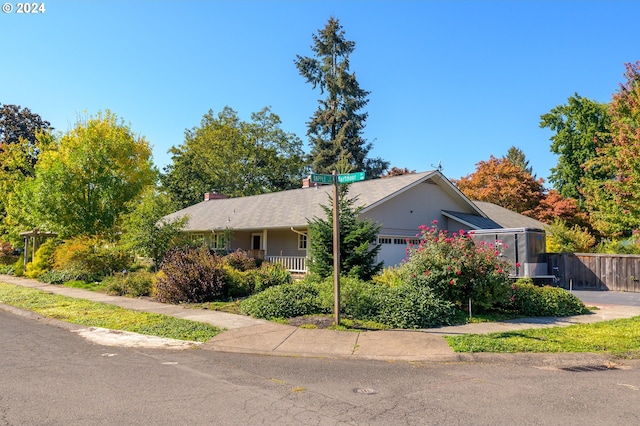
[523,246]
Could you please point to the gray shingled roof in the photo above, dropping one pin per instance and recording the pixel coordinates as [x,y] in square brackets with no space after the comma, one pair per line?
[472,220]
[295,207]
[507,218]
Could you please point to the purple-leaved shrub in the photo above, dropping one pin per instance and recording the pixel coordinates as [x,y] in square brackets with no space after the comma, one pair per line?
[190,275]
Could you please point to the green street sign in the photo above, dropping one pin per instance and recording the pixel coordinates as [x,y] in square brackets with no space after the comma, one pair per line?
[345,178]
[318,178]
[351,177]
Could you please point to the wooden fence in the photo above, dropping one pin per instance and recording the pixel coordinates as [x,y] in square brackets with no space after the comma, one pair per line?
[585,271]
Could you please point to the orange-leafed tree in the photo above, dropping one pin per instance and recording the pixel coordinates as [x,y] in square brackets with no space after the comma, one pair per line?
[554,206]
[397,171]
[504,183]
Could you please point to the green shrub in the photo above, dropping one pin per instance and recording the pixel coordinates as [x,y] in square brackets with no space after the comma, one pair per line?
[240,260]
[43,259]
[269,275]
[135,284]
[408,306]
[389,276]
[91,257]
[284,301]
[530,300]
[398,306]
[192,275]
[358,299]
[7,269]
[18,268]
[239,283]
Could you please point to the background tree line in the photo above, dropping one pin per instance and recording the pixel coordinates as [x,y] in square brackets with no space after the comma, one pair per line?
[593,203]
[99,178]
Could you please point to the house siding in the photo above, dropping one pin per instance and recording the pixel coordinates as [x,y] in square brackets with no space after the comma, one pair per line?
[417,206]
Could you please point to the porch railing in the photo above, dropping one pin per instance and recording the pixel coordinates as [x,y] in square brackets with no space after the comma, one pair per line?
[297,264]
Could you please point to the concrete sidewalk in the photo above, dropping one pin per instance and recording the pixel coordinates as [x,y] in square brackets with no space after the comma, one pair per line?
[249,335]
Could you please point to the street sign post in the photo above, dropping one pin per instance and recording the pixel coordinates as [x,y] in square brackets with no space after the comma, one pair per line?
[336,179]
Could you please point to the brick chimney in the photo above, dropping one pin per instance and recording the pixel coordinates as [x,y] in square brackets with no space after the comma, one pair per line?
[213,195]
[306,183]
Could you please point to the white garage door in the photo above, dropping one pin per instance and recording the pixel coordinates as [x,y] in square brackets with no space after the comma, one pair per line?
[393,249]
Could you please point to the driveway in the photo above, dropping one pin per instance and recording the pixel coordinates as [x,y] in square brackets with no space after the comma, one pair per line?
[598,297]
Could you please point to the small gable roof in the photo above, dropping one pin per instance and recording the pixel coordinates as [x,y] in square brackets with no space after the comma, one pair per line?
[471,220]
[506,218]
[295,207]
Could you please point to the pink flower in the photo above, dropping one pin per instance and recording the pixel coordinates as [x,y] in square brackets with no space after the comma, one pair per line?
[452,282]
[517,264]
[458,272]
[513,298]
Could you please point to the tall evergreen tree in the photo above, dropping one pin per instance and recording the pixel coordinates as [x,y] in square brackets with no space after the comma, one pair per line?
[517,157]
[357,237]
[335,129]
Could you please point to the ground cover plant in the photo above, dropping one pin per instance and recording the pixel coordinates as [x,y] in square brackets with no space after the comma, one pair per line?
[84,312]
[619,337]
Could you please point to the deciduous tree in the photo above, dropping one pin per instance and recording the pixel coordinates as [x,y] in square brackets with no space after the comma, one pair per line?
[145,232]
[335,129]
[19,131]
[554,206]
[396,171]
[613,204]
[234,157]
[581,127]
[84,180]
[501,182]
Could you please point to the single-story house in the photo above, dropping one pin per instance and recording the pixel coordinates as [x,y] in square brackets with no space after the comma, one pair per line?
[274,226]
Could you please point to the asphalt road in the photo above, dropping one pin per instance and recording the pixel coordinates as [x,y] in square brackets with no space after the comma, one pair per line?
[51,376]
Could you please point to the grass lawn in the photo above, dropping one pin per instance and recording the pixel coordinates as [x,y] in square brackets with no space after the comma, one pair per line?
[94,314]
[618,337]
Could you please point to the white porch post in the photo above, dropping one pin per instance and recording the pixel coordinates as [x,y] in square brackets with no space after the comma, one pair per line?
[264,242]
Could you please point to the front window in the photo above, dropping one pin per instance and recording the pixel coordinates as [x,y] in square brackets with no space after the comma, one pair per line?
[217,241]
[302,242]
[197,238]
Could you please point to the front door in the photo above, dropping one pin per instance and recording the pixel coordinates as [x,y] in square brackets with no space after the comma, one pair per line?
[256,241]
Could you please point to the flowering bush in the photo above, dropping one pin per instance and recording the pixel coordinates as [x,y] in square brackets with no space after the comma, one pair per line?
[456,269]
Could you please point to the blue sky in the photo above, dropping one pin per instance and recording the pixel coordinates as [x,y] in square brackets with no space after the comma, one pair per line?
[450,81]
